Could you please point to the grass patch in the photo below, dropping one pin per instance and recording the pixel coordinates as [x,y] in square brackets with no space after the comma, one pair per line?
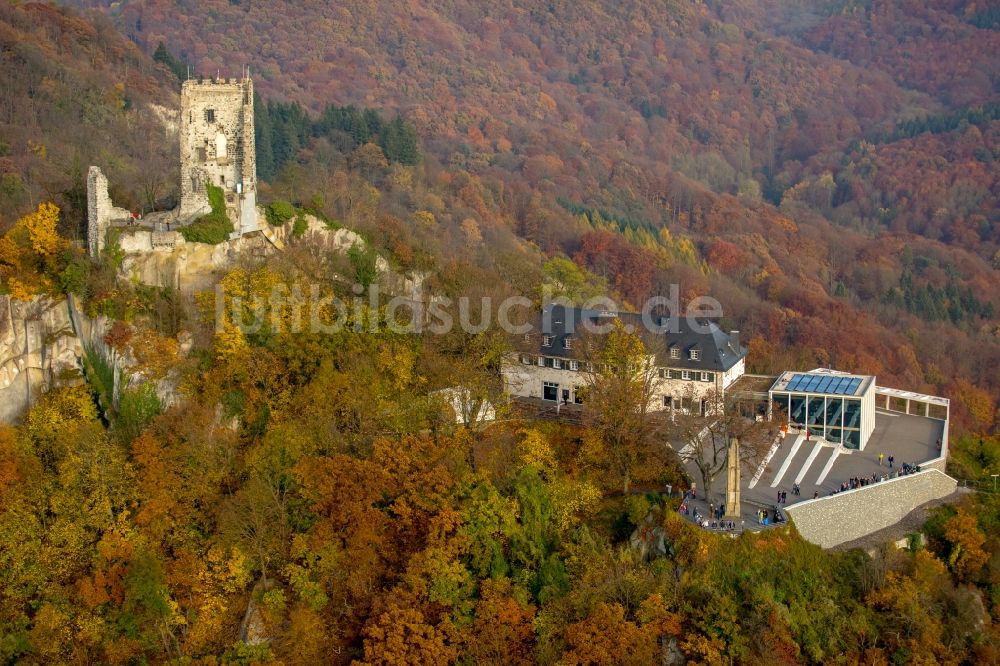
[214,227]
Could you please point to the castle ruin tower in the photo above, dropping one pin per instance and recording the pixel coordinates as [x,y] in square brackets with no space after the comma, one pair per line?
[217,148]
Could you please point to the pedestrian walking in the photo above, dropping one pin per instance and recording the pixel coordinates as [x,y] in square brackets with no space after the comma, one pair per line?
[890,461]
[881,456]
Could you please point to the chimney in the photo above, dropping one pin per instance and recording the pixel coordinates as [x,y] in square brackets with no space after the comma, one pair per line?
[734,340]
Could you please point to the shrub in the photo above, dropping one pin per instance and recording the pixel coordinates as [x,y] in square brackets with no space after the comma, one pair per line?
[73,279]
[214,227]
[364,261]
[300,226]
[278,212]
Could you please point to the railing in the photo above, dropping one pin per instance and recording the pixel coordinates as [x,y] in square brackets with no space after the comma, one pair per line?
[534,408]
[980,485]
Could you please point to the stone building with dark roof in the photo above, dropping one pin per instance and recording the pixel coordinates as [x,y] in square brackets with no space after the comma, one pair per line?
[691,360]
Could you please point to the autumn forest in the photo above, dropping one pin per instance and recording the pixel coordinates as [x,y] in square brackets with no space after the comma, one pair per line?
[829,170]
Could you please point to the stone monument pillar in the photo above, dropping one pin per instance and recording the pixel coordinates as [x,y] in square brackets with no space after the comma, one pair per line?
[733,509]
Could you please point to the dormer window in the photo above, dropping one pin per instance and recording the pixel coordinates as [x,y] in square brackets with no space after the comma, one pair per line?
[675,352]
[546,340]
[695,354]
[567,343]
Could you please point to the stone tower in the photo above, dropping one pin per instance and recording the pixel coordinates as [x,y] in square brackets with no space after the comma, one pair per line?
[217,147]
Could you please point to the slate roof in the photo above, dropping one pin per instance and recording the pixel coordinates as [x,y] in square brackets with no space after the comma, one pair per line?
[719,351]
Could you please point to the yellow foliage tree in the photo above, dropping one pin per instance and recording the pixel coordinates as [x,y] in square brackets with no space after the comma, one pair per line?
[31,253]
[55,416]
[967,555]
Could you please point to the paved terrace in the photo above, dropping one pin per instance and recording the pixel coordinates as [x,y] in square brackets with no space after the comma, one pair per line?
[820,467]
[817,466]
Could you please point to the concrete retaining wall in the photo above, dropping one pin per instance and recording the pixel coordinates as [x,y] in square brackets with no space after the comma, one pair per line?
[831,521]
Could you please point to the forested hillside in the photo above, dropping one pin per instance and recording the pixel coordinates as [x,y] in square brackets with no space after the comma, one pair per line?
[777,154]
[75,92]
[840,204]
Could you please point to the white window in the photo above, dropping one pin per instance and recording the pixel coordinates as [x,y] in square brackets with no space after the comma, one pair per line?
[567,343]
[706,376]
[685,374]
[546,340]
[527,337]
[574,365]
[527,360]
[550,391]
[675,352]
[557,363]
[695,354]
[662,373]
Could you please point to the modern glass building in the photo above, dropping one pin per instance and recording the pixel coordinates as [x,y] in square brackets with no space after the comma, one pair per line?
[837,406]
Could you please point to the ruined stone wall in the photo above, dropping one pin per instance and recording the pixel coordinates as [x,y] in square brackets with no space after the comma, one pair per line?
[831,521]
[217,146]
[101,212]
[165,259]
[248,161]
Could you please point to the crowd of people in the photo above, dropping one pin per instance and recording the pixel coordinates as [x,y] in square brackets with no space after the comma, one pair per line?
[712,521]
[862,481]
[714,518]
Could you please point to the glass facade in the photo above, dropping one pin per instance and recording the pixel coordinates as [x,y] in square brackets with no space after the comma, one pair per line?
[835,418]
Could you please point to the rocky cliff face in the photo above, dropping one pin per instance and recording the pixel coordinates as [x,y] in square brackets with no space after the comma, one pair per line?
[38,348]
[165,259]
[42,340]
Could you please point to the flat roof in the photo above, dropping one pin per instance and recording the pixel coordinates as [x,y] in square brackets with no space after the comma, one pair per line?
[823,382]
[911,395]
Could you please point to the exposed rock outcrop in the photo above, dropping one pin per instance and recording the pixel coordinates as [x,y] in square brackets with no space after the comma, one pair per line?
[38,347]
